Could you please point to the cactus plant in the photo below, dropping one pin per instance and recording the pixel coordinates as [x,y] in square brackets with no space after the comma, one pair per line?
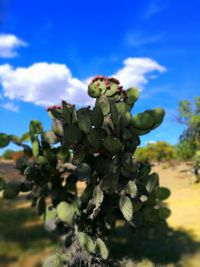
[95,145]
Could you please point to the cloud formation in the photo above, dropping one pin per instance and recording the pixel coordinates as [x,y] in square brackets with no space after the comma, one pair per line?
[10,106]
[46,84]
[8,45]
[135,71]
[136,39]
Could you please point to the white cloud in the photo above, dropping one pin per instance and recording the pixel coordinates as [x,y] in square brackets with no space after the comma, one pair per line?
[8,45]
[136,39]
[47,84]
[10,106]
[135,71]
[42,84]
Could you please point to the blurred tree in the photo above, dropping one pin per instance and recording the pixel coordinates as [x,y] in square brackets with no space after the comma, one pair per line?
[189,114]
[159,151]
[185,149]
[8,154]
[189,145]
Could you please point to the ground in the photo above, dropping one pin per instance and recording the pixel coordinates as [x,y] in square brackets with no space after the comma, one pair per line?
[23,241]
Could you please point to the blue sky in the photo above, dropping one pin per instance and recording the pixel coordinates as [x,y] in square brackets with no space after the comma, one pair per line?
[49,50]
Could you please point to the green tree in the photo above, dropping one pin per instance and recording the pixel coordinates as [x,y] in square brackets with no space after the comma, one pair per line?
[8,153]
[189,114]
[185,149]
[159,151]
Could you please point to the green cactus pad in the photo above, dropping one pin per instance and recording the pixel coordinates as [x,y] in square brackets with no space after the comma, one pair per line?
[74,115]
[12,189]
[86,242]
[4,140]
[126,207]
[72,134]
[162,193]
[93,90]
[164,213]
[97,117]
[132,95]
[130,189]
[35,147]
[83,171]
[50,213]
[41,160]
[84,120]
[95,138]
[113,88]
[143,121]
[35,127]
[126,118]
[82,238]
[67,115]
[15,139]
[104,103]
[114,113]
[102,249]
[112,144]
[50,137]
[158,114]
[25,137]
[57,127]
[123,107]
[152,182]
[96,202]
[90,245]
[53,261]
[98,196]
[65,212]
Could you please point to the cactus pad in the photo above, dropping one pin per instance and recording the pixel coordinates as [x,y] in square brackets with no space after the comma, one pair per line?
[126,207]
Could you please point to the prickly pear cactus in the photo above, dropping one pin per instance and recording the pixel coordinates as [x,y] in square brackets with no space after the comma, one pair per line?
[94,145]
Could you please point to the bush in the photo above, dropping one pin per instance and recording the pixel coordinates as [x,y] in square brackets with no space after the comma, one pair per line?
[17,154]
[185,150]
[102,141]
[8,154]
[159,152]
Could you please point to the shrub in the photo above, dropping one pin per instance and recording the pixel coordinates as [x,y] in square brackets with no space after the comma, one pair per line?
[17,155]
[102,141]
[159,151]
[8,153]
[185,150]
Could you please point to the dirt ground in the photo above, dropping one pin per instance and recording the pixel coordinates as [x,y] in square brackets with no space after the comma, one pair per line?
[184,203]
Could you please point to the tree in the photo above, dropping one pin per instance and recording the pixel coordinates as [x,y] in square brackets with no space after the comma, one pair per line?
[159,151]
[189,114]
[189,146]
[8,153]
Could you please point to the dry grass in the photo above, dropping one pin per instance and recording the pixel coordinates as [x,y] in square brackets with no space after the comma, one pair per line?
[24,243]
